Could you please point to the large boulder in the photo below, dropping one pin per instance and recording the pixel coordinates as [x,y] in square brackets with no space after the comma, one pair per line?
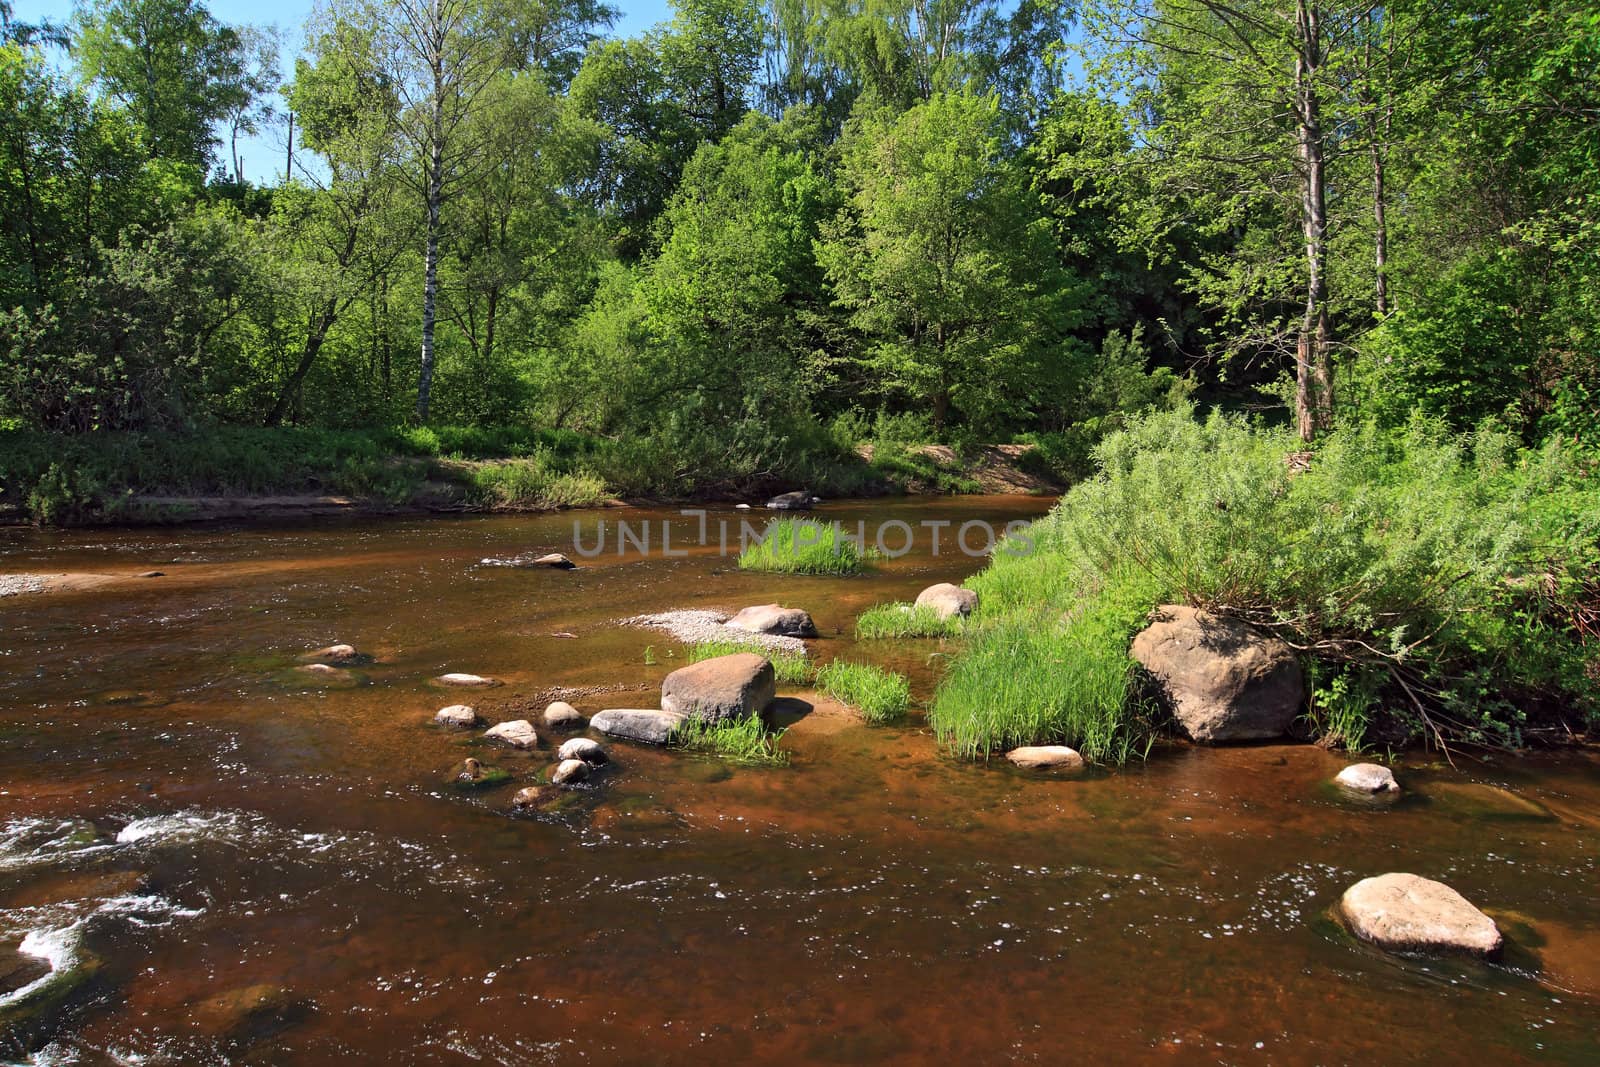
[457,717]
[639,724]
[723,688]
[948,600]
[1046,758]
[774,619]
[1226,680]
[801,500]
[582,748]
[569,770]
[562,716]
[1404,913]
[518,733]
[1367,778]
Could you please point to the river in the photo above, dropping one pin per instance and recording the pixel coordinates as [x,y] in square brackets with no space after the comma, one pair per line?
[244,869]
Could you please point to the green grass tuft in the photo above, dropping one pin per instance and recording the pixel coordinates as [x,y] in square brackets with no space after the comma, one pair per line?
[804,546]
[746,741]
[1033,679]
[790,667]
[906,620]
[881,696]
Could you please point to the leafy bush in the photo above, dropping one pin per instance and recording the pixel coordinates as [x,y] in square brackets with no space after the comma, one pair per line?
[1447,581]
[906,620]
[790,667]
[804,546]
[880,695]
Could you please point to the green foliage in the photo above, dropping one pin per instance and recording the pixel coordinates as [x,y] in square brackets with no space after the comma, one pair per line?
[1039,676]
[1459,578]
[531,484]
[881,696]
[906,620]
[804,546]
[746,741]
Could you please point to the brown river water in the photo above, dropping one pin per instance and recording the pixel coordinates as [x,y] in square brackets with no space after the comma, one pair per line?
[873,901]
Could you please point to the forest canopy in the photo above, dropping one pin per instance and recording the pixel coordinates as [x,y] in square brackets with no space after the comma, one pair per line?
[758,230]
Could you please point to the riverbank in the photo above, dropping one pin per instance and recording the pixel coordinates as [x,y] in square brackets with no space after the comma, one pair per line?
[270,475]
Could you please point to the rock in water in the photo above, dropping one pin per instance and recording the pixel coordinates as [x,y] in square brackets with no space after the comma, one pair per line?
[582,748]
[518,733]
[562,716]
[465,681]
[570,770]
[773,619]
[1046,757]
[802,500]
[337,655]
[556,560]
[1226,680]
[1368,778]
[639,724]
[948,600]
[320,674]
[457,717]
[727,687]
[1404,913]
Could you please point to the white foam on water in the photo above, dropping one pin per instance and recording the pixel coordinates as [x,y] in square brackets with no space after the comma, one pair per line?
[184,826]
[57,946]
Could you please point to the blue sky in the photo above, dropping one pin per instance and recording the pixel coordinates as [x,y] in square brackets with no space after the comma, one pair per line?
[265,153]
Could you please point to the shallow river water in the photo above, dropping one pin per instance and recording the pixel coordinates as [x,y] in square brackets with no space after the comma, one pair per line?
[192,834]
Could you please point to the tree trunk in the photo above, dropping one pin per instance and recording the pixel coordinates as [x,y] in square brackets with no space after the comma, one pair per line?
[430,261]
[316,333]
[1380,234]
[1313,370]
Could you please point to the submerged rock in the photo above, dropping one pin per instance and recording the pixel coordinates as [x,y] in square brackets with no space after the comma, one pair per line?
[639,724]
[584,749]
[249,1014]
[1405,913]
[1046,757]
[569,770]
[518,733]
[321,674]
[948,600]
[562,716]
[465,681]
[723,688]
[800,500]
[1225,679]
[457,717]
[774,619]
[556,560]
[1367,778]
[336,655]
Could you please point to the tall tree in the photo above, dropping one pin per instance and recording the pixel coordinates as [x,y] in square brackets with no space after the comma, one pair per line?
[1229,100]
[172,65]
[945,260]
[436,58]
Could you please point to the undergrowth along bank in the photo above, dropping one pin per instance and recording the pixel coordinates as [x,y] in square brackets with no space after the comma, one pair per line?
[1440,588]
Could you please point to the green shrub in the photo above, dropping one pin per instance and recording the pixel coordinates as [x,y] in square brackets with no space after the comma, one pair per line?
[906,620]
[880,695]
[745,740]
[790,667]
[804,546]
[531,484]
[1449,583]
